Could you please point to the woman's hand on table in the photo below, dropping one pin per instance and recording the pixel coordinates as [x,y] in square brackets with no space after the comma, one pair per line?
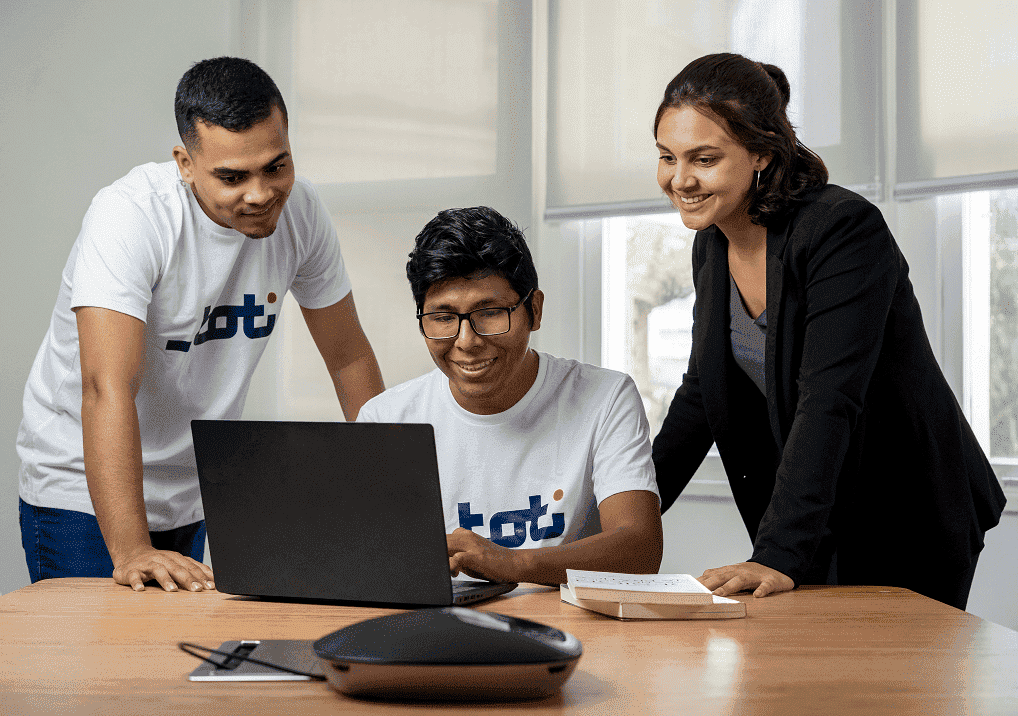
[746,576]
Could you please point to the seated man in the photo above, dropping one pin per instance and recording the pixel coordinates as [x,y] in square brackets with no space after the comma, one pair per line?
[534,451]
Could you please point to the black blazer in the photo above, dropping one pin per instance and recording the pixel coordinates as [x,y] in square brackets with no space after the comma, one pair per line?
[860,443]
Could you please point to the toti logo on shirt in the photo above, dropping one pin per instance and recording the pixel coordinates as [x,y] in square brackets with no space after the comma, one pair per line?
[222,323]
[519,519]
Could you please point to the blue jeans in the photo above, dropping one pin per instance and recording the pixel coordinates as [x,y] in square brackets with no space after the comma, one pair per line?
[65,543]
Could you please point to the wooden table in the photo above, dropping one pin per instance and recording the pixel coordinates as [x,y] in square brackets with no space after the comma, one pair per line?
[88,646]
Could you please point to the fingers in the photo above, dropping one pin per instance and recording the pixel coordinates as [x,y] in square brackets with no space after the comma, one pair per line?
[774,583]
[458,564]
[162,575]
[745,577]
[733,585]
[135,580]
[204,573]
[723,581]
[480,558]
[169,569]
[461,540]
[209,576]
[715,578]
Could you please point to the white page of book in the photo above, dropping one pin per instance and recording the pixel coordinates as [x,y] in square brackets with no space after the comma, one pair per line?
[670,583]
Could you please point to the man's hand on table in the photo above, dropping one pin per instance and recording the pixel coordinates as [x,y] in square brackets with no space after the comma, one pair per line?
[480,558]
[746,576]
[168,568]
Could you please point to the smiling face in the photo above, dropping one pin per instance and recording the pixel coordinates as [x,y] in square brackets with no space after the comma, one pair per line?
[240,179]
[705,172]
[487,374]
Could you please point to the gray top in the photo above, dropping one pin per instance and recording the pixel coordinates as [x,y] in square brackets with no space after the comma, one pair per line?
[748,337]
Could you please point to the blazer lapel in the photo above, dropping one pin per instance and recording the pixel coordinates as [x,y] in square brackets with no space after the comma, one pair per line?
[774,359]
[712,319]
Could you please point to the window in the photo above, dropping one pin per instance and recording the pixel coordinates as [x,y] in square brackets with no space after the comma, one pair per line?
[990,240]
[397,111]
[647,305]
[956,66]
[609,63]
[906,102]
[360,114]
[957,159]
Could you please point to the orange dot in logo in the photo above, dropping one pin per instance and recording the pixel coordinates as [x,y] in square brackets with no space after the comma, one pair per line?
[557,495]
[272,297]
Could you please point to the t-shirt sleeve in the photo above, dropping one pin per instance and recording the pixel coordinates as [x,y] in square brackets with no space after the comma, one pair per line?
[118,257]
[369,412]
[622,456]
[321,277]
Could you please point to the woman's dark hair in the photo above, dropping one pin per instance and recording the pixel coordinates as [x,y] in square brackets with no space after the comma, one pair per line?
[470,243]
[752,99]
[228,92]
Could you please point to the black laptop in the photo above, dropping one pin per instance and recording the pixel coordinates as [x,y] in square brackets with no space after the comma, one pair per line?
[347,512]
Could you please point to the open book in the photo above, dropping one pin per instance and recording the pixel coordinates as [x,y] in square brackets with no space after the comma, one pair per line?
[647,596]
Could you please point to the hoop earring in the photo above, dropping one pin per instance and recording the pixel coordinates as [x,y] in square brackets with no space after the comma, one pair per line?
[757,173]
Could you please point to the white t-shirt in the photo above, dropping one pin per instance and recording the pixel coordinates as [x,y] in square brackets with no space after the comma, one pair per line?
[532,475]
[209,297]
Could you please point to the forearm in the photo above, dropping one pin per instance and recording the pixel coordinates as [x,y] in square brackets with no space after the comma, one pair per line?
[630,549]
[357,382]
[113,470]
[347,353]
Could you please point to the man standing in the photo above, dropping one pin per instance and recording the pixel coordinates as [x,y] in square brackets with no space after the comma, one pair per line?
[547,459]
[166,303]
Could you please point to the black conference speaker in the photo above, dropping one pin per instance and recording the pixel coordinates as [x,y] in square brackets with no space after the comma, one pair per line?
[450,653]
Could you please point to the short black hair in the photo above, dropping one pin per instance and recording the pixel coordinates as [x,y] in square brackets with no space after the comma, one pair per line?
[228,92]
[471,243]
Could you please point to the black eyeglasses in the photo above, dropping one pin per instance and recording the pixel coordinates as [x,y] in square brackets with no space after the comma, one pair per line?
[488,321]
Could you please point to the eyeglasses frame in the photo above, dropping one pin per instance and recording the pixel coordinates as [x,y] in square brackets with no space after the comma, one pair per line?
[461,316]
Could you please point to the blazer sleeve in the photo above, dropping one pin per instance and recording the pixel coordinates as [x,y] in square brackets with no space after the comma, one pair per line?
[685,435]
[847,266]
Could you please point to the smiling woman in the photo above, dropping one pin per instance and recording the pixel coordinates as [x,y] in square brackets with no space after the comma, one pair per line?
[810,367]
[706,173]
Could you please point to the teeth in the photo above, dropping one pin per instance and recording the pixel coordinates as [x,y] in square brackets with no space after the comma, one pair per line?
[474,367]
[693,199]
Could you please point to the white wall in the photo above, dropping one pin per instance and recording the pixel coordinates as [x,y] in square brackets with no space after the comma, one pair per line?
[86,94]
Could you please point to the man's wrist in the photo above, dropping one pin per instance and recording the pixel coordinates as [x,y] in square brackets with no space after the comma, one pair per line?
[125,553]
[525,564]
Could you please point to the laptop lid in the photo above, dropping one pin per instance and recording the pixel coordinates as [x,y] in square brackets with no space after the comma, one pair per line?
[332,510]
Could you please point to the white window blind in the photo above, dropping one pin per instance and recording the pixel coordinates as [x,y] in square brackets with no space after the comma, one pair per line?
[609,63]
[958,115]
[394,90]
